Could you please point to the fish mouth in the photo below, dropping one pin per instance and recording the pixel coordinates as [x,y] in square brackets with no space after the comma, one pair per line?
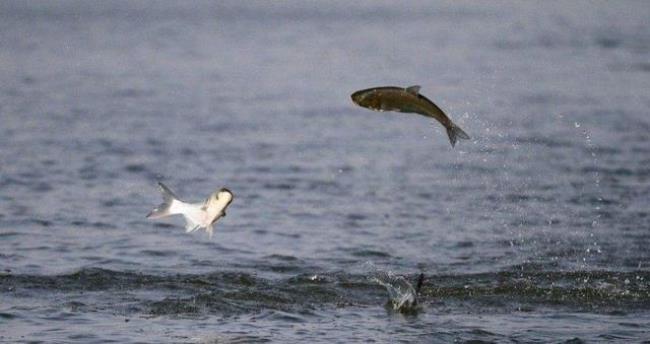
[357,97]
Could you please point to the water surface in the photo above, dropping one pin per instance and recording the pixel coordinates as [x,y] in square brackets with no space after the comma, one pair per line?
[536,230]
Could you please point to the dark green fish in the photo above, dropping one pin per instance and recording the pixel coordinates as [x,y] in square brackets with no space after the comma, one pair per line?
[390,98]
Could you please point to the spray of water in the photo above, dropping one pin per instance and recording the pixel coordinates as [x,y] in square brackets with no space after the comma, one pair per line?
[402,296]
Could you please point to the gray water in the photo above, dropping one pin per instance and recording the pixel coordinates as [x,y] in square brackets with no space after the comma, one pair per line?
[536,230]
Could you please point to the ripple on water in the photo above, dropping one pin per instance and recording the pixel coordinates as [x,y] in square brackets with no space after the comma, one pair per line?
[159,253]
[369,253]
[7,316]
[465,244]
[237,339]
[575,340]
[278,186]
[9,234]
[136,168]
[281,257]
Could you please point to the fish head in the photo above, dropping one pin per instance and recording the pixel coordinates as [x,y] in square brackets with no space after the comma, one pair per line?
[217,203]
[363,98]
[222,197]
[369,99]
[225,194]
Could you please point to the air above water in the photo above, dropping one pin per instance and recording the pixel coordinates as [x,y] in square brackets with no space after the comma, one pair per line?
[535,230]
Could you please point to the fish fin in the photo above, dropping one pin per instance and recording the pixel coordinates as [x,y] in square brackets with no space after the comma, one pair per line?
[190,226]
[206,203]
[209,229]
[420,282]
[455,132]
[163,209]
[414,90]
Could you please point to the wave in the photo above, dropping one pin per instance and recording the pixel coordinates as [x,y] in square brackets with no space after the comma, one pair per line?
[237,292]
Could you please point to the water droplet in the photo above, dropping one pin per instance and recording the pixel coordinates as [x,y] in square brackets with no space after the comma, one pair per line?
[577,125]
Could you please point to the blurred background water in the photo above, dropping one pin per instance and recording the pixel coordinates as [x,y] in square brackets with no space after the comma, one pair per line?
[535,230]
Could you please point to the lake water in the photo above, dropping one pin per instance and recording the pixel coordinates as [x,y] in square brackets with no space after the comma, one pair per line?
[536,230]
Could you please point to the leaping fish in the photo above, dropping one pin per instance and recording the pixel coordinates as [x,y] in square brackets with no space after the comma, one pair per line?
[197,215]
[391,98]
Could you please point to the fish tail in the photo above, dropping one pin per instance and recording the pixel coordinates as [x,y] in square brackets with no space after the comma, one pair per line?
[420,283]
[455,132]
[164,209]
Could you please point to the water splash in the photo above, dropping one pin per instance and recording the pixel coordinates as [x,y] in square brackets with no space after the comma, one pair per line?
[402,296]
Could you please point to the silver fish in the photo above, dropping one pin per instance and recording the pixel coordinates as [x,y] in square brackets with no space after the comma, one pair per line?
[391,98]
[197,215]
